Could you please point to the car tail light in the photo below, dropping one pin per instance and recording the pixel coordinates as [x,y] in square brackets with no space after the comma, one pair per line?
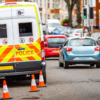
[97,49]
[10,3]
[42,51]
[70,59]
[68,49]
[76,34]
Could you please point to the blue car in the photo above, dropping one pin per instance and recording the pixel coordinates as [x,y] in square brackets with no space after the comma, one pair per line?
[60,30]
[79,50]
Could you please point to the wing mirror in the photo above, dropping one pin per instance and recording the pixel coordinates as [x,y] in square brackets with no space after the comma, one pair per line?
[60,46]
[45,44]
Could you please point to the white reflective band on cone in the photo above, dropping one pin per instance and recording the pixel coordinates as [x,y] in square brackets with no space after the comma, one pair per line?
[33,82]
[41,78]
[5,89]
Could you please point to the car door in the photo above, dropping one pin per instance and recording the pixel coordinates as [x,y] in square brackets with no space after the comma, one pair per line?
[62,51]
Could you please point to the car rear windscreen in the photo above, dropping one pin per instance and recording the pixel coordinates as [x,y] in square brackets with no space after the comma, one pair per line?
[55,42]
[82,42]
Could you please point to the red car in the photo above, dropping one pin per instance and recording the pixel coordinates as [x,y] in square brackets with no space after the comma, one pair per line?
[52,44]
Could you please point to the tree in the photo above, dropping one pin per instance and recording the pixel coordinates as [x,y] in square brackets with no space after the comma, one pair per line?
[79,19]
[70,6]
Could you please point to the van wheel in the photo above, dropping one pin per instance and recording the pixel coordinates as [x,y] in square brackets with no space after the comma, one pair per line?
[44,76]
[60,64]
[66,66]
[98,65]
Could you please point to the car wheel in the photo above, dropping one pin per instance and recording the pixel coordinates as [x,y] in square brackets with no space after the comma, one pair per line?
[60,64]
[92,64]
[44,76]
[66,66]
[98,65]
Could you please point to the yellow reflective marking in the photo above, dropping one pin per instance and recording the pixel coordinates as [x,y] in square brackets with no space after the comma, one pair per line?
[3,48]
[5,6]
[9,55]
[6,67]
[37,45]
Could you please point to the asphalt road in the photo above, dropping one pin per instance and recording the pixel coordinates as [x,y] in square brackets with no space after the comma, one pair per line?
[79,82]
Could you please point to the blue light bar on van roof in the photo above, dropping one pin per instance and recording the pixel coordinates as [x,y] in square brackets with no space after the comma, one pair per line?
[10,3]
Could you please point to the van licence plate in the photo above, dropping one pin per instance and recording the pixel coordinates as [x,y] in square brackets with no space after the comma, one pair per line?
[6,67]
[55,50]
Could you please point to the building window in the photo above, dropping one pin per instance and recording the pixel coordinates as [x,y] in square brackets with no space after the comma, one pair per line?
[85,2]
[48,3]
[40,3]
[56,4]
[48,16]
[41,16]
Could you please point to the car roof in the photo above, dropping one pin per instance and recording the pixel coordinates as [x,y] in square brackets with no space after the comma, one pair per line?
[51,36]
[80,37]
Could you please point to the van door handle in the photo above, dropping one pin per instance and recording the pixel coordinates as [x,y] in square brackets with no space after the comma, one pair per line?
[21,49]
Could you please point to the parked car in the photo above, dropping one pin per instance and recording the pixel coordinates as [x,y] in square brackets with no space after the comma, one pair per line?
[60,31]
[79,50]
[78,32]
[52,44]
[96,36]
[51,24]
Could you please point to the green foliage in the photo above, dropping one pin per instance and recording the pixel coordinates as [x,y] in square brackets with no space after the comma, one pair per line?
[64,21]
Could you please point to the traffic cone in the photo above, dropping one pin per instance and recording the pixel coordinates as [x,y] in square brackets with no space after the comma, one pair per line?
[5,91]
[41,80]
[33,85]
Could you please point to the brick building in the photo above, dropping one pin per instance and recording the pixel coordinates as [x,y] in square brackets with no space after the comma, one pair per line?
[50,9]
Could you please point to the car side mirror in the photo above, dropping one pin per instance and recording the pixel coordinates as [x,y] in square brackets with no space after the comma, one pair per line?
[45,44]
[60,46]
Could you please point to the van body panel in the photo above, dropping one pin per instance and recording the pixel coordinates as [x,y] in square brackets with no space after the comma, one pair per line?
[24,36]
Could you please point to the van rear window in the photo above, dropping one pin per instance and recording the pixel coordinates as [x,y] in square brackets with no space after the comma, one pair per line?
[25,29]
[3,31]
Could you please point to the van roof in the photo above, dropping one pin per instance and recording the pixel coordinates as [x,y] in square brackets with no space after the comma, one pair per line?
[17,3]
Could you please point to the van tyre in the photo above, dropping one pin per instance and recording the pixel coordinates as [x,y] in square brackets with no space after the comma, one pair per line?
[60,64]
[98,65]
[44,76]
[66,66]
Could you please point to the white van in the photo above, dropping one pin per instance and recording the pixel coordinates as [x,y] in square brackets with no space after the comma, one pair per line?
[51,24]
[21,40]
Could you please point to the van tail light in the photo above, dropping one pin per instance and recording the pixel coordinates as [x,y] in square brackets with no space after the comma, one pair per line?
[42,51]
[10,3]
[68,49]
[97,49]
[76,34]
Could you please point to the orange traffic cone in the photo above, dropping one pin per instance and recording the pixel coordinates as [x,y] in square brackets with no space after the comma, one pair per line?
[41,80]
[5,91]
[33,85]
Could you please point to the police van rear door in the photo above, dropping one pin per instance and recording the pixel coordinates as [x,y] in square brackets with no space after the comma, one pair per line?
[26,35]
[6,39]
